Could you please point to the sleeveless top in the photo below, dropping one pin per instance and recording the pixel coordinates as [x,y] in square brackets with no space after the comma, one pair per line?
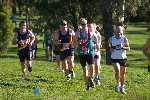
[86,44]
[22,36]
[96,48]
[118,53]
[64,38]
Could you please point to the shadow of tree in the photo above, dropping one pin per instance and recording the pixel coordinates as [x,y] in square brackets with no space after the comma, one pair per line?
[5,84]
[9,56]
[136,62]
[138,47]
[137,32]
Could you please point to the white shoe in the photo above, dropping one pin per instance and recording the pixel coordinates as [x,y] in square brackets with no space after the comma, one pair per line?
[117,88]
[97,83]
[24,76]
[49,59]
[122,90]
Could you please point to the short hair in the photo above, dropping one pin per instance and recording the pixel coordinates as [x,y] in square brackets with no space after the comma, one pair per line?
[83,21]
[119,24]
[63,22]
[22,22]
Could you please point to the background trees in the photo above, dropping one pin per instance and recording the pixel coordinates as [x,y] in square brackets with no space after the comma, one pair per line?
[6,28]
[41,14]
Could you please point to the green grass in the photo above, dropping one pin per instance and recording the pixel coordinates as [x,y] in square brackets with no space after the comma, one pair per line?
[53,85]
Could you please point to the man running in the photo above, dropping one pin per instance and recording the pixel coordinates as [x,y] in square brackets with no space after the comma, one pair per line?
[86,52]
[119,45]
[24,38]
[48,44]
[97,45]
[65,37]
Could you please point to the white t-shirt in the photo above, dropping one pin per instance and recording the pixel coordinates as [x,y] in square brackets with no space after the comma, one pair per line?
[118,53]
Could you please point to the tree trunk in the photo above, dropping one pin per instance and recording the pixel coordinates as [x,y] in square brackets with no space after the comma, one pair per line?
[107,26]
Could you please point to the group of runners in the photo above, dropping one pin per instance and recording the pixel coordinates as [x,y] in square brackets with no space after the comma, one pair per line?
[86,40]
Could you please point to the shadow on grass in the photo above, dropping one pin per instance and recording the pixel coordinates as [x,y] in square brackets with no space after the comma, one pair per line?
[40,58]
[137,32]
[9,56]
[139,25]
[136,63]
[11,53]
[137,47]
[12,50]
[136,66]
[6,84]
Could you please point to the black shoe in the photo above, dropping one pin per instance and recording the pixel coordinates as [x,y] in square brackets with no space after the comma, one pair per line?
[30,69]
[97,80]
[87,86]
[72,74]
[91,83]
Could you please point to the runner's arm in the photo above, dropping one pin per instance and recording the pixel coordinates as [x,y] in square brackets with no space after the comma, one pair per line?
[126,46]
[32,37]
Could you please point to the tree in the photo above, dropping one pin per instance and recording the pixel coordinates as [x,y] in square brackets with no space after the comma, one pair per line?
[6,29]
[107,26]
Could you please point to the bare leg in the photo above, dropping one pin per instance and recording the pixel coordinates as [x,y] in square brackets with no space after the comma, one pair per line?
[97,67]
[84,72]
[71,62]
[59,62]
[23,69]
[48,53]
[51,54]
[29,65]
[71,66]
[117,72]
[89,75]
[91,70]
[122,74]
[122,78]
[65,66]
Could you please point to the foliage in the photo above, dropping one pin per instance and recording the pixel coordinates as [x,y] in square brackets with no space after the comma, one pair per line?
[6,30]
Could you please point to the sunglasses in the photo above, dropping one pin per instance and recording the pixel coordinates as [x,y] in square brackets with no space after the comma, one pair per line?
[63,24]
[83,24]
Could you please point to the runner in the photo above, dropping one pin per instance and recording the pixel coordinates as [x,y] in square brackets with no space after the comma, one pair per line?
[48,44]
[97,45]
[119,44]
[65,36]
[24,38]
[86,52]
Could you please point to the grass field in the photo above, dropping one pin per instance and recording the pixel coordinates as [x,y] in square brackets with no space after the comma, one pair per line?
[53,85]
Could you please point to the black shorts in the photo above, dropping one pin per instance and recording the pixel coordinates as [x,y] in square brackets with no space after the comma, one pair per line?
[57,50]
[96,56]
[89,59]
[66,53]
[122,62]
[47,44]
[24,54]
[72,51]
